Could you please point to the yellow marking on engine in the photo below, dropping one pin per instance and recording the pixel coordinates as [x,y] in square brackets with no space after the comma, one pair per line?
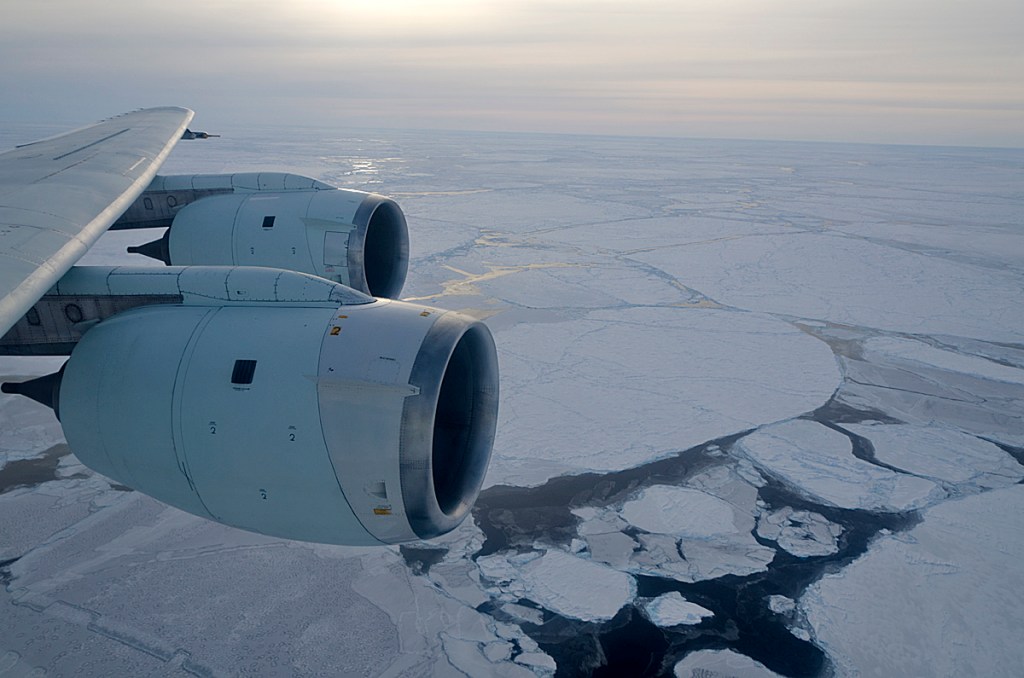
[382,511]
[425,314]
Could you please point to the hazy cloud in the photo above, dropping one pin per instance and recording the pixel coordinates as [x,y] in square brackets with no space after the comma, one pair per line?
[911,71]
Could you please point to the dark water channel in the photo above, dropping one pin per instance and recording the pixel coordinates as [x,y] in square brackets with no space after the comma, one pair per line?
[28,472]
[515,518]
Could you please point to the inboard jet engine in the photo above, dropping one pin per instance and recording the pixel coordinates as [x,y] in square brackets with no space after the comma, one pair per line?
[265,377]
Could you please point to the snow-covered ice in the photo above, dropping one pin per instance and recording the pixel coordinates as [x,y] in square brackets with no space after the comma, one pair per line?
[37,430]
[222,600]
[671,609]
[853,281]
[609,390]
[801,533]
[942,455]
[908,350]
[819,462]
[943,599]
[680,511]
[571,586]
[708,663]
[688,534]
[781,604]
[967,385]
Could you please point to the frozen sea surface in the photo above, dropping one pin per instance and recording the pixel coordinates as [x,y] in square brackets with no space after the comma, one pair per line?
[801,533]
[714,663]
[570,586]
[607,388]
[671,609]
[819,462]
[944,597]
[947,456]
[735,375]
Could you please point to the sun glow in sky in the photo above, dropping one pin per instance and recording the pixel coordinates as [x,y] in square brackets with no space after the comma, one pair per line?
[915,71]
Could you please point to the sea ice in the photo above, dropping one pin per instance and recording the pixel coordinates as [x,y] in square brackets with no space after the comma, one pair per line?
[911,351]
[781,604]
[523,613]
[688,534]
[671,609]
[620,237]
[679,510]
[602,537]
[852,281]
[570,586]
[612,548]
[31,516]
[944,599]
[692,561]
[109,250]
[211,600]
[967,384]
[714,663]
[37,431]
[941,454]
[801,533]
[619,388]
[818,462]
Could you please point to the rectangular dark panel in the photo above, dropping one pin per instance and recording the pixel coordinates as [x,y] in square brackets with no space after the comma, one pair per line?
[244,369]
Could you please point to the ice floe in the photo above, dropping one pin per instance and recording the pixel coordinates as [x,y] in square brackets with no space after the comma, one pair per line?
[236,600]
[708,663]
[688,534]
[943,599]
[968,385]
[801,533]
[781,604]
[908,350]
[671,609]
[570,586]
[850,280]
[620,388]
[941,454]
[819,463]
[679,510]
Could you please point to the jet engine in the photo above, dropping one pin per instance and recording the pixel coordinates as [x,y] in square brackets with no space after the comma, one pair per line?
[293,416]
[278,220]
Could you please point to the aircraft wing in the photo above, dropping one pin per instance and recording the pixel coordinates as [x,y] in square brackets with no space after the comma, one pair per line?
[59,195]
[248,381]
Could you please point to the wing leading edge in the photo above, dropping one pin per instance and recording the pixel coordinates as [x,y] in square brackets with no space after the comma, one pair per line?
[59,195]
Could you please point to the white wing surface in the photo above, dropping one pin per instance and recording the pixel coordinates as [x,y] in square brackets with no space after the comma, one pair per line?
[57,196]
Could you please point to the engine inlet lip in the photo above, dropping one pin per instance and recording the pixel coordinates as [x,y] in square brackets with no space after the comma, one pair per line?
[378,254]
[430,515]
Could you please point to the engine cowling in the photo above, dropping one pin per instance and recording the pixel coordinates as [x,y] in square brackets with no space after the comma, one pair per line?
[357,239]
[362,424]
[276,220]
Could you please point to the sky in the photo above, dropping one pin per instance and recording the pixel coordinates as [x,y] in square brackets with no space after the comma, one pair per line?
[946,72]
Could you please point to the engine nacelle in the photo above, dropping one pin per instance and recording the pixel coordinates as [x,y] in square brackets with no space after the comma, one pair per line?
[368,423]
[276,220]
